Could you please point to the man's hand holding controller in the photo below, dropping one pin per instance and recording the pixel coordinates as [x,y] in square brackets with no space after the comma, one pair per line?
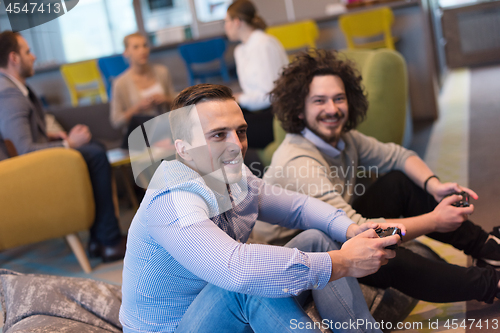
[451,212]
[364,251]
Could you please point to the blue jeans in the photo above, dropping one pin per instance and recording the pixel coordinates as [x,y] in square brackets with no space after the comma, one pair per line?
[340,304]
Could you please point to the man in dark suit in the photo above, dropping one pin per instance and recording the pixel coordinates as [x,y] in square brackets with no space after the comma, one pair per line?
[23,124]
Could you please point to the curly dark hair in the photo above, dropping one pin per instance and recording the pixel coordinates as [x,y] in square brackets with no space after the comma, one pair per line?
[292,87]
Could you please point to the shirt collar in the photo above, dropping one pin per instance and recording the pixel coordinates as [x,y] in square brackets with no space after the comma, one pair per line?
[323,147]
[22,87]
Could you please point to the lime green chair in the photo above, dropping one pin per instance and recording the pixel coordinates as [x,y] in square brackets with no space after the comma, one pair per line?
[296,36]
[385,80]
[368,24]
[84,81]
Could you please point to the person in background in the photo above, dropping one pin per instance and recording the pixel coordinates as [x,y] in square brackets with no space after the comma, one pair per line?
[23,123]
[259,60]
[319,101]
[143,89]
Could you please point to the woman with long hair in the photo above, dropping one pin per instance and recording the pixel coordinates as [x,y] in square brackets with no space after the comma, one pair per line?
[259,60]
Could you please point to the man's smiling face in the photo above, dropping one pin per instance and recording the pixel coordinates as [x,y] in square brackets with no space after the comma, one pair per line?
[220,143]
[326,109]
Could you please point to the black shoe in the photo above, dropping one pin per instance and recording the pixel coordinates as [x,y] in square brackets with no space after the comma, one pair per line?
[498,289]
[94,249]
[115,252]
[490,252]
[496,232]
[481,263]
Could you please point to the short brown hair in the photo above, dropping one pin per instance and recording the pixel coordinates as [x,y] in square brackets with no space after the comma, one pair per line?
[245,11]
[179,119]
[8,44]
[292,87]
[135,34]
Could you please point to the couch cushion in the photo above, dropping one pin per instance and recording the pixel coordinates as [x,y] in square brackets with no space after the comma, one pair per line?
[50,324]
[95,116]
[42,303]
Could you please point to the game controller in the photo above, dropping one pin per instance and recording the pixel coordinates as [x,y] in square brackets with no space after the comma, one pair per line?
[389,232]
[461,203]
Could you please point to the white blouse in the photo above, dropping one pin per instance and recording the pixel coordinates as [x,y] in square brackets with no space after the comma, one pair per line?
[259,62]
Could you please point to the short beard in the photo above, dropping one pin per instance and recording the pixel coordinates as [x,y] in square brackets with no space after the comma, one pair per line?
[26,71]
[328,139]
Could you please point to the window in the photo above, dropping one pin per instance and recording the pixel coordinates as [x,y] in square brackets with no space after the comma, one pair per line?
[4,19]
[44,40]
[166,21]
[211,10]
[92,29]
[95,28]
[159,4]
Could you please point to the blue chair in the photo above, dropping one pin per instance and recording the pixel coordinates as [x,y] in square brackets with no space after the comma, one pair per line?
[197,53]
[110,68]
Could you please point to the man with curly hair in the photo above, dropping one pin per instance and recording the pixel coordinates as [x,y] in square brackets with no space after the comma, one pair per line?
[319,101]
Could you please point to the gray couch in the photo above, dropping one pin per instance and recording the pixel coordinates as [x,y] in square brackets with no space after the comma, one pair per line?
[95,116]
[43,303]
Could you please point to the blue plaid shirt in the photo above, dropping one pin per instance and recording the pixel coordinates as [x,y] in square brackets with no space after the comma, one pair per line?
[175,248]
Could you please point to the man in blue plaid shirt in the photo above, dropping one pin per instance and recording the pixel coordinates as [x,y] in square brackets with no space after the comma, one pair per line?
[187,267]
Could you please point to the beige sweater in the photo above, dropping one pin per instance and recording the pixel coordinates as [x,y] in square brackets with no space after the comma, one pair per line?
[299,166]
[125,94]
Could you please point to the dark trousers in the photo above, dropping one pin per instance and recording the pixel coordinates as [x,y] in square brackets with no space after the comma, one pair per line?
[260,127]
[105,229]
[395,195]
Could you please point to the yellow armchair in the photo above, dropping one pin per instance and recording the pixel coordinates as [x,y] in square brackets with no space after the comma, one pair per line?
[46,194]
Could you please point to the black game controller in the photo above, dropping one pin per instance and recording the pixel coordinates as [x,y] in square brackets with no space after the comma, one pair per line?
[461,203]
[389,232]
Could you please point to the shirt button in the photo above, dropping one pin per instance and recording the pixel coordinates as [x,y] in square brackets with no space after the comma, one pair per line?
[285,290]
[316,286]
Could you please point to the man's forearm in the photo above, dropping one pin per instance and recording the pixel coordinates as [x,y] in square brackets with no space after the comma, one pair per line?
[417,170]
[416,226]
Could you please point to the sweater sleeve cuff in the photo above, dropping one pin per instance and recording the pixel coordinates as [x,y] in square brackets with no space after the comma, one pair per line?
[401,165]
[321,270]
